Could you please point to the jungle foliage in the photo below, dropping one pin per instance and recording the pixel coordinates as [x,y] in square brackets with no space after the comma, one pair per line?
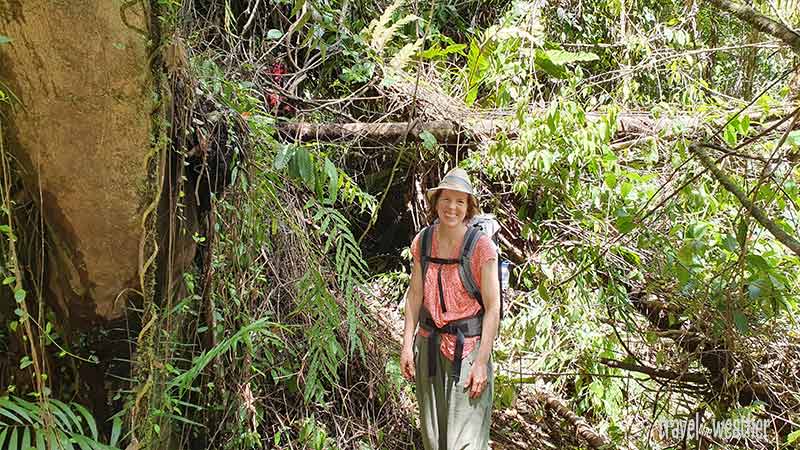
[643,288]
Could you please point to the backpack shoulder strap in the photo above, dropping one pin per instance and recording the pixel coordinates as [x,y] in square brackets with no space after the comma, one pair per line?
[426,243]
[465,268]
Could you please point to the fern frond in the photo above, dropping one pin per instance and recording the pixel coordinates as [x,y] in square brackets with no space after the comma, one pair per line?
[49,424]
[401,59]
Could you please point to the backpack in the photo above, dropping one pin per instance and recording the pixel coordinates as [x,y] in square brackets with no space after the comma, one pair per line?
[480,224]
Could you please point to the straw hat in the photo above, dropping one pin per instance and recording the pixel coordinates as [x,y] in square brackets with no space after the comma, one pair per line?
[455,180]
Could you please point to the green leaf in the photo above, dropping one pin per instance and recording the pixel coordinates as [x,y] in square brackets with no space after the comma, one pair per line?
[793,436]
[7,404]
[744,125]
[83,442]
[759,262]
[625,189]
[472,95]
[542,289]
[624,224]
[274,34]
[116,430]
[5,229]
[26,439]
[8,280]
[553,61]
[305,167]
[740,320]
[25,362]
[12,440]
[89,419]
[610,179]
[333,180]
[730,135]
[68,411]
[40,445]
[4,39]
[285,154]
[429,141]
[19,295]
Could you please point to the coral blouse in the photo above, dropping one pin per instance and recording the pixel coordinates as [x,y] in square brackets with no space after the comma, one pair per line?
[459,304]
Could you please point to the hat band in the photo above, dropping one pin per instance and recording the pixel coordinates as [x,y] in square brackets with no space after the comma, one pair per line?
[455,181]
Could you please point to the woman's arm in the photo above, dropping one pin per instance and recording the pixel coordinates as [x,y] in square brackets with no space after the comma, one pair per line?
[490,293]
[413,306]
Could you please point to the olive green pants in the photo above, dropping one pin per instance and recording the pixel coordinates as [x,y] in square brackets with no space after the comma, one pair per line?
[449,419]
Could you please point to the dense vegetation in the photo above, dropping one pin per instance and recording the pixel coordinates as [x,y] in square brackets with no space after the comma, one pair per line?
[641,156]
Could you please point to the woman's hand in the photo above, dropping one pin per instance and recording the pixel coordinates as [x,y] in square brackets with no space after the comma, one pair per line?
[477,380]
[407,362]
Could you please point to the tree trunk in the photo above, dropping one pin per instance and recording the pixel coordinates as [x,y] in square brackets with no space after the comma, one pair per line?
[82,136]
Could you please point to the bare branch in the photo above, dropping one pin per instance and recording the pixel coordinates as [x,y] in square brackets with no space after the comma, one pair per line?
[760,22]
[789,241]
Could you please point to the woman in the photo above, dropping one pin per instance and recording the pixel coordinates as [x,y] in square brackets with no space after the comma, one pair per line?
[453,371]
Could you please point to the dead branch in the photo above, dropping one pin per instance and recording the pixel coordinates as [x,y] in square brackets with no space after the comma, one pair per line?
[757,213]
[760,22]
[582,429]
[381,132]
[691,377]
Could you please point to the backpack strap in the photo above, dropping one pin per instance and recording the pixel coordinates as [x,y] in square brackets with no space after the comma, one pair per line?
[426,243]
[465,268]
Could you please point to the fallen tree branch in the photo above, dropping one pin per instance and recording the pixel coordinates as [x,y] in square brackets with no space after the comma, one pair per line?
[691,377]
[582,429]
[760,22]
[382,131]
[633,123]
[782,236]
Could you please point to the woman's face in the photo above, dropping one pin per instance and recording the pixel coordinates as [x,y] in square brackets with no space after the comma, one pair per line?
[452,207]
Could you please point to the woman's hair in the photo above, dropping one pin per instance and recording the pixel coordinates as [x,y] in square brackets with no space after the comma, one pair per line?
[472,207]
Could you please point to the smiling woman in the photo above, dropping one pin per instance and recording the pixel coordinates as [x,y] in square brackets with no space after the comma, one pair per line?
[449,357]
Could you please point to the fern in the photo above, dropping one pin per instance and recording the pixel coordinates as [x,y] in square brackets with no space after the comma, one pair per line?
[402,57]
[324,354]
[262,326]
[351,269]
[50,424]
[381,33]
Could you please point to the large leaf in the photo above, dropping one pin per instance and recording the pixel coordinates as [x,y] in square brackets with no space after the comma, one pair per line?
[554,61]
[304,165]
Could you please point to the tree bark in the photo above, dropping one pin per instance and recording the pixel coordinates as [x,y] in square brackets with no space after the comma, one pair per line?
[760,22]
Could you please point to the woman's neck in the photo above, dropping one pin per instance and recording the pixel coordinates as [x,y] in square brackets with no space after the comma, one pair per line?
[451,235]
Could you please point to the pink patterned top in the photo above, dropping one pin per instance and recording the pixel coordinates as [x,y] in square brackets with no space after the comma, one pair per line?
[459,304]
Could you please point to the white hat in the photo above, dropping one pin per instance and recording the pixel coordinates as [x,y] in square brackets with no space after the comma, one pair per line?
[455,180]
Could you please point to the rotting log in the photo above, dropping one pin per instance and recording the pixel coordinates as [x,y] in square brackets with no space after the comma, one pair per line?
[81,135]
[636,124]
